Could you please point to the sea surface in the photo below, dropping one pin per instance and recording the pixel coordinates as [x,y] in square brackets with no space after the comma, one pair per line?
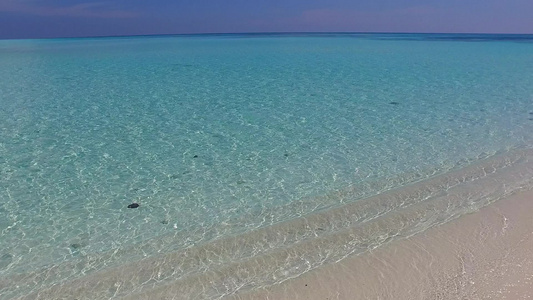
[245,151]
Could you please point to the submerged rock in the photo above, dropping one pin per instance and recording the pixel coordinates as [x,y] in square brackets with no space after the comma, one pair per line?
[133,205]
[76,246]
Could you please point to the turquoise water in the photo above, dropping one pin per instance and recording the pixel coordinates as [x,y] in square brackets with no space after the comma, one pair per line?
[216,136]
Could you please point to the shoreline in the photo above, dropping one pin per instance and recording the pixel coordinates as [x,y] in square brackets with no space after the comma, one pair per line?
[343,252]
[482,255]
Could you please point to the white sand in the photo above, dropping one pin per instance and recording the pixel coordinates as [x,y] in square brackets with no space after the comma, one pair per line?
[484,255]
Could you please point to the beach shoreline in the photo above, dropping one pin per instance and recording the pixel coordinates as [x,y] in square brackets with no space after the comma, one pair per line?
[448,237]
[487,254]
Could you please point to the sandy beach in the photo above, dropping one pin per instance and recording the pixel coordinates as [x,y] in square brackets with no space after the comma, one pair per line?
[482,255]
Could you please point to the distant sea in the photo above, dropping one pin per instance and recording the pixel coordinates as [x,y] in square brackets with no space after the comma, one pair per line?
[239,148]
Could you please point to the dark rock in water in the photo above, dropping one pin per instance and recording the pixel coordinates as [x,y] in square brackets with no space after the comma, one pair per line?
[394,103]
[133,205]
[196,156]
[76,246]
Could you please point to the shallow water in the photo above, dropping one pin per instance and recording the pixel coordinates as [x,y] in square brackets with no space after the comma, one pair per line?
[216,136]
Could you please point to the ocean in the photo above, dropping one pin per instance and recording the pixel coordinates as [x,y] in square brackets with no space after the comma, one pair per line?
[254,158]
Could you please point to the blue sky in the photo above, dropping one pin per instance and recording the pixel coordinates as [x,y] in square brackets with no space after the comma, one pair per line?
[61,18]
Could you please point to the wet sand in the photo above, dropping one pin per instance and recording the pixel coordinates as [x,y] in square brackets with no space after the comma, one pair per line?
[483,255]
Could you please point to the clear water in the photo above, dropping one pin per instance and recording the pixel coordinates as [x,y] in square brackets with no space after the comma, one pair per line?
[215,136]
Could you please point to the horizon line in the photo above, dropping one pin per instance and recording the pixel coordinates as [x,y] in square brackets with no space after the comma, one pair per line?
[263,33]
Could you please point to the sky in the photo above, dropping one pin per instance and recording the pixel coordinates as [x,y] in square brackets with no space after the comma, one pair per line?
[78,18]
